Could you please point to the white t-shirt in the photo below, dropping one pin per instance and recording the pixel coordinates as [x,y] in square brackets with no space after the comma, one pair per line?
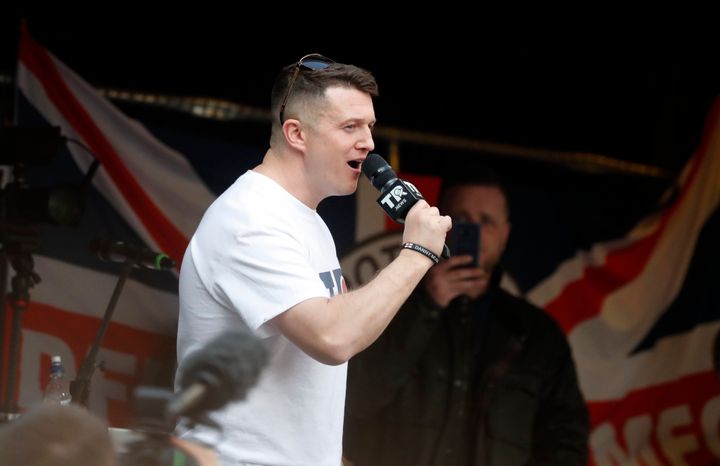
[257,252]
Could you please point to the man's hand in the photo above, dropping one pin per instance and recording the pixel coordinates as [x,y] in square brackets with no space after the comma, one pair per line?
[425,226]
[449,279]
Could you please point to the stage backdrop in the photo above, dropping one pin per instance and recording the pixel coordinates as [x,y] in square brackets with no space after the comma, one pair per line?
[641,310]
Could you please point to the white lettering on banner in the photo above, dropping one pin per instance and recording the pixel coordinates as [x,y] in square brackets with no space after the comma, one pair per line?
[710,420]
[638,431]
[34,345]
[675,432]
[606,450]
[103,388]
[366,267]
[365,260]
[676,446]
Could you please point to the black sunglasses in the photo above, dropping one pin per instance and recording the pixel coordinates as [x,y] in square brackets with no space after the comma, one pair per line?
[312,62]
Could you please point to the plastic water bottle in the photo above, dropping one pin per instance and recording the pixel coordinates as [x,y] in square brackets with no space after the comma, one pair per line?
[58,389]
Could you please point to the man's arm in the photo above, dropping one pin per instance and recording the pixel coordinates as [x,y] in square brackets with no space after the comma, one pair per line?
[332,330]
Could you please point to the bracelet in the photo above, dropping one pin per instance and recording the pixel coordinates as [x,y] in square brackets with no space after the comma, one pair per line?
[422,250]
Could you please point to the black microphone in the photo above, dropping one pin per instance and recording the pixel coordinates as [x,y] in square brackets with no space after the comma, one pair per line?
[119,251]
[222,371]
[396,196]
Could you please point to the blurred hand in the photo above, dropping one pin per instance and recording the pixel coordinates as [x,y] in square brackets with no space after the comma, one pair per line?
[203,455]
[449,279]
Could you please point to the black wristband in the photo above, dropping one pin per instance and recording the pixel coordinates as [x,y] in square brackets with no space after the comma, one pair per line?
[422,250]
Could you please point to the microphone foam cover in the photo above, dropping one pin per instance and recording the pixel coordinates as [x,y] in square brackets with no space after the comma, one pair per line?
[229,366]
[377,170]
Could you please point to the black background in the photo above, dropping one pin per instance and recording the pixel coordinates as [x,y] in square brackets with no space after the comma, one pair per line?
[548,84]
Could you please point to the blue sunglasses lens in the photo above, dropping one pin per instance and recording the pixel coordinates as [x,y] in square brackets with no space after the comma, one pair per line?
[315,64]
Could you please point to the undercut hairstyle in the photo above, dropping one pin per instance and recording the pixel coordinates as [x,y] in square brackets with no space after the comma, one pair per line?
[475,176]
[55,435]
[310,85]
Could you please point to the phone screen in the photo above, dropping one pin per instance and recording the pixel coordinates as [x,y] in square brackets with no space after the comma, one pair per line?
[464,239]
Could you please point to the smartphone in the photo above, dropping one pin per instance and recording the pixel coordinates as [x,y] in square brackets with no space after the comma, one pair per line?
[464,239]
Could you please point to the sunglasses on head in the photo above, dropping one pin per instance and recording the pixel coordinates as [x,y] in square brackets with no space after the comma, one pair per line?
[312,62]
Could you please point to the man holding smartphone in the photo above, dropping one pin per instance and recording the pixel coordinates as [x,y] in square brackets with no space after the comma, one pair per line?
[467,374]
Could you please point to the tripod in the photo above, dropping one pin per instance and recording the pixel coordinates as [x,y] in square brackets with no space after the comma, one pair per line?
[19,256]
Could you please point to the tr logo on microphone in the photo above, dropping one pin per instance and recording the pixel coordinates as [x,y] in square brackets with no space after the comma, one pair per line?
[397,197]
[412,188]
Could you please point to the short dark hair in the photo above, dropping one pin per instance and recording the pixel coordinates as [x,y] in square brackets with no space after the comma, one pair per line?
[478,175]
[311,84]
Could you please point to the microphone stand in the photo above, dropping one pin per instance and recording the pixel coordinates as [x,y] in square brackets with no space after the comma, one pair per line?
[24,279]
[80,387]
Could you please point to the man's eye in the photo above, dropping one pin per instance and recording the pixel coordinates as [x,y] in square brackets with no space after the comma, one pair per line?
[487,221]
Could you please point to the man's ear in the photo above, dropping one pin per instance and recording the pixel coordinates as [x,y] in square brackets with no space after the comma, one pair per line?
[294,135]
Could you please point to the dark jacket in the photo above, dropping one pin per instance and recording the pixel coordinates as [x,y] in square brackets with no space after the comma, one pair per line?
[490,382]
